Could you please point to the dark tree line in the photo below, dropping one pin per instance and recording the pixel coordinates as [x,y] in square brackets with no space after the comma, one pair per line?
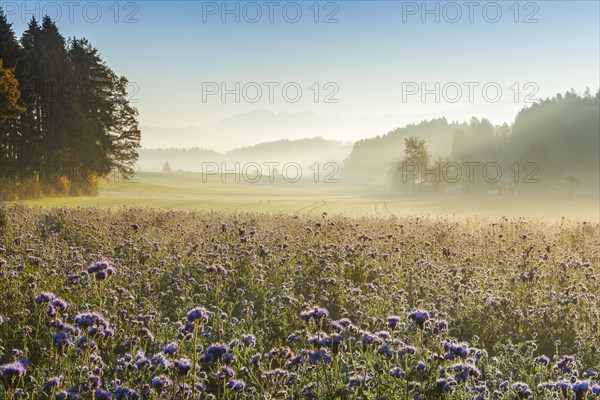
[74,122]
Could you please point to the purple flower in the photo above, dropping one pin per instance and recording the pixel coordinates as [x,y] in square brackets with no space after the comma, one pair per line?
[341,324]
[463,371]
[122,393]
[369,338]
[228,358]
[107,332]
[161,382]
[581,386]
[445,385]
[102,270]
[275,374]
[102,275]
[543,359]
[145,333]
[95,381]
[87,320]
[308,391]
[64,395]
[45,297]
[419,317]
[159,360]
[385,350]
[406,350]
[319,355]
[566,365]
[440,326]
[236,384]
[216,268]
[183,365]
[53,383]
[256,358]
[305,315]
[171,348]
[60,304]
[61,339]
[225,372]
[84,320]
[141,361]
[320,313]
[393,322]
[98,266]
[460,349]
[214,352]
[316,312]
[100,394]
[563,385]
[11,373]
[522,390]
[200,388]
[59,324]
[248,340]
[295,361]
[383,334]
[359,380]
[397,372]
[198,314]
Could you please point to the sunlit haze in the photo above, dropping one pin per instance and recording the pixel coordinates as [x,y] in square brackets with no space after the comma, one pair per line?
[369,50]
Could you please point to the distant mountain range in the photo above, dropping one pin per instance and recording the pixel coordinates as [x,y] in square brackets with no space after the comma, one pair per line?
[262,126]
[305,152]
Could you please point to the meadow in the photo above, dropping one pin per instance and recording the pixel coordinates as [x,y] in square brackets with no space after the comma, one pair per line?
[193,191]
[138,303]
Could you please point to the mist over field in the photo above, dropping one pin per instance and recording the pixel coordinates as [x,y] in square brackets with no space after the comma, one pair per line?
[316,200]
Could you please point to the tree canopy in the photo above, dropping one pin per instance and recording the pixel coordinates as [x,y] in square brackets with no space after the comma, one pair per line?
[65,115]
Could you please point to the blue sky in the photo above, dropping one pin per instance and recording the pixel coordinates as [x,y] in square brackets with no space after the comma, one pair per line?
[374,49]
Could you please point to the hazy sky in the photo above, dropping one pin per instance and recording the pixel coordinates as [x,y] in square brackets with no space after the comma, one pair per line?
[172,51]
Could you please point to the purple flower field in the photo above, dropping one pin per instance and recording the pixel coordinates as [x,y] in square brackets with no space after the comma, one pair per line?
[142,304]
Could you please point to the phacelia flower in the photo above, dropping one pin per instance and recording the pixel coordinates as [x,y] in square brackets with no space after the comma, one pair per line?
[419,317]
[161,382]
[45,297]
[11,373]
[198,314]
[393,322]
[236,384]
[397,372]
[171,348]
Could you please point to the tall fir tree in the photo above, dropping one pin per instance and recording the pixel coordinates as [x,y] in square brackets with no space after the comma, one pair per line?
[9,55]
[78,116]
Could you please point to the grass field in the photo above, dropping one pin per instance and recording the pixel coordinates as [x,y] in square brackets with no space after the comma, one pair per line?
[186,191]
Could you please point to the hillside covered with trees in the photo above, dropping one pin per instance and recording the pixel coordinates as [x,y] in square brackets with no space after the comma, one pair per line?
[556,141]
[65,116]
